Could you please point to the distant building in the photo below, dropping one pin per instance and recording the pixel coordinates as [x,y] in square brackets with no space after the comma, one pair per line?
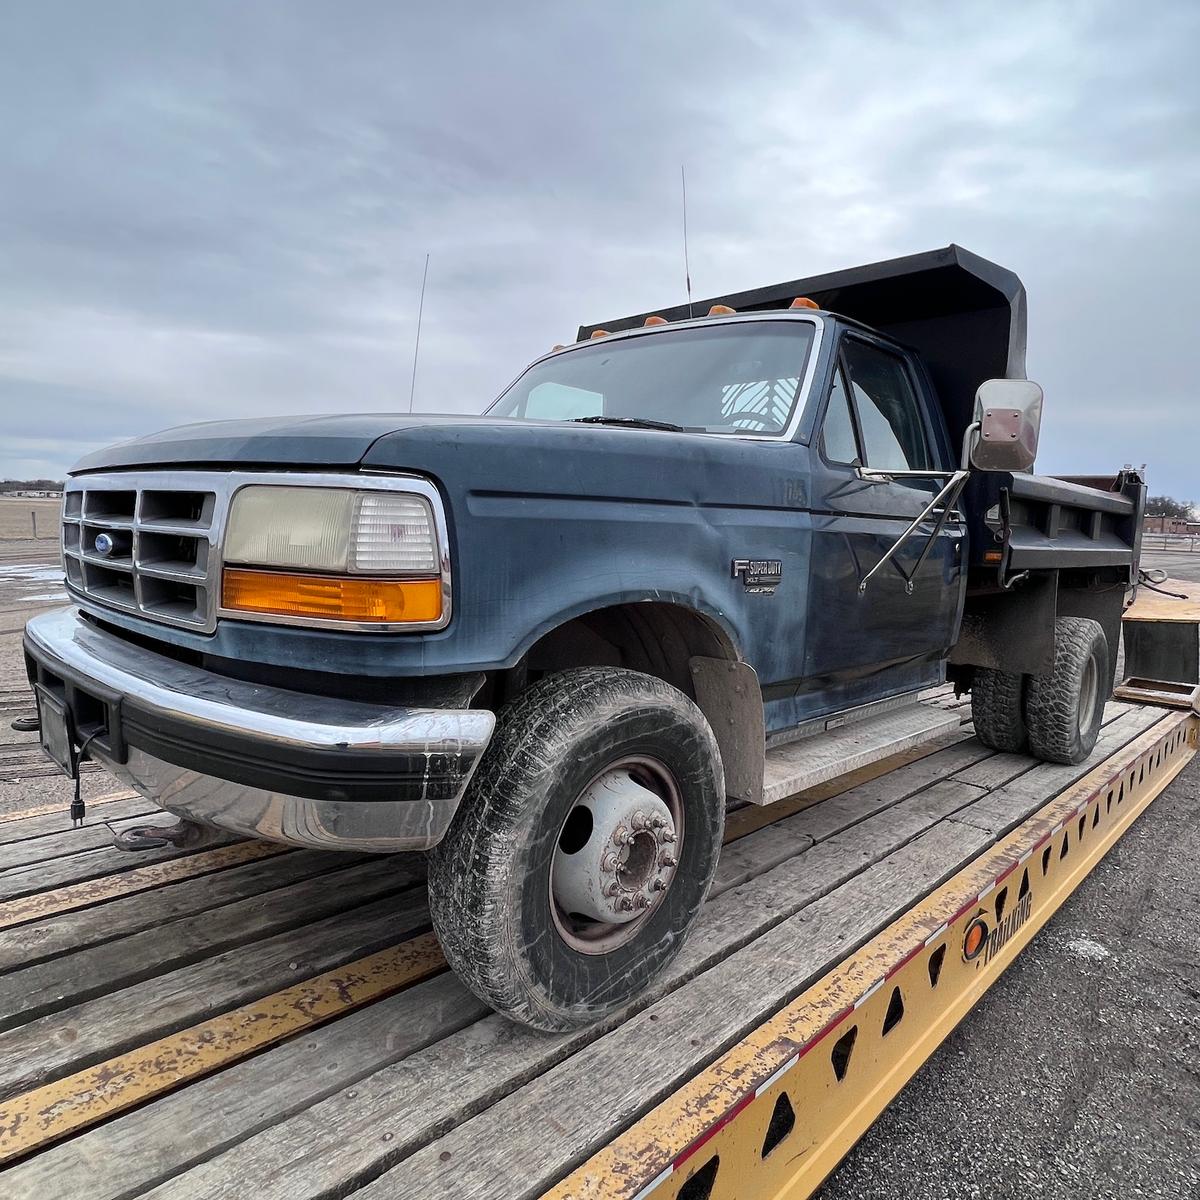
[1177,525]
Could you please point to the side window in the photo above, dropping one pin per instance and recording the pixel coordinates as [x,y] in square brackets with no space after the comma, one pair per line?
[837,434]
[560,402]
[888,413]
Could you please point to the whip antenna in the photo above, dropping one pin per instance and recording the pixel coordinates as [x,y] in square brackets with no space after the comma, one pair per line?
[412,391]
[687,270]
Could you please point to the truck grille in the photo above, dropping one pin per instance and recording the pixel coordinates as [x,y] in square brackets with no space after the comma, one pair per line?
[144,543]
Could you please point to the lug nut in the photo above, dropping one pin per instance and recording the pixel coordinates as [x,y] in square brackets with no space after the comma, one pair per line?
[608,863]
[610,889]
[640,820]
[668,860]
[668,836]
[640,902]
[659,822]
[622,836]
[659,885]
[626,904]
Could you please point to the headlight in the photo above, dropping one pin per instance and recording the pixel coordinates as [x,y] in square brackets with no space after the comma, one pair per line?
[367,556]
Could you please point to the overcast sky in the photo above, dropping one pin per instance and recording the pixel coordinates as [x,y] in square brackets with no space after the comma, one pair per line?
[223,209]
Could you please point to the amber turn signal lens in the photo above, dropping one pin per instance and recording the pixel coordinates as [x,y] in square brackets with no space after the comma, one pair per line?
[655,321]
[975,938]
[721,310]
[332,597]
[804,302]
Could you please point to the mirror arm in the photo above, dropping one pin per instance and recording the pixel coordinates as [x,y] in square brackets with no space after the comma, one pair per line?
[968,444]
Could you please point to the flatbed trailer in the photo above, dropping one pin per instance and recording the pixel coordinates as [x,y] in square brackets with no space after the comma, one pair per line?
[249,1019]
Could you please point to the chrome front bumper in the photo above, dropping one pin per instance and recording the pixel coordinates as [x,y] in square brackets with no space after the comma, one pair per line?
[262,761]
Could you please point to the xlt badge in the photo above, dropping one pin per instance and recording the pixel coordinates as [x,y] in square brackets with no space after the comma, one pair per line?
[760,575]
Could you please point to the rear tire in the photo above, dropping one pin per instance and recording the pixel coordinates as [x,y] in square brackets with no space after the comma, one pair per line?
[1064,709]
[996,709]
[506,883]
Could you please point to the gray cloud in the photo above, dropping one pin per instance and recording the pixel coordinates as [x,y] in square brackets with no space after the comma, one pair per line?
[220,209]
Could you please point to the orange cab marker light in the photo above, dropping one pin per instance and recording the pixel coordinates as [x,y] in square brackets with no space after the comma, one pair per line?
[655,321]
[721,310]
[599,333]
[332,597]
[992,556]
[803,302]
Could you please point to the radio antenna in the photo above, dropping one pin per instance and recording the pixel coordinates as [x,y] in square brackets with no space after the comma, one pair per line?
[412,391]
[687,270]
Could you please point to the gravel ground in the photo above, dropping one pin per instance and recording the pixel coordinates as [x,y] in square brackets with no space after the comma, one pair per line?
[1078,1074]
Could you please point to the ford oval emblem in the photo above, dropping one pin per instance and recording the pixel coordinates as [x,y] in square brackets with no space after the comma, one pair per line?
[103,545]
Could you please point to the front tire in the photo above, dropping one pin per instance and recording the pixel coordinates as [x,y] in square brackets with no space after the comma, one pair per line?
[1064,709]
[584,848]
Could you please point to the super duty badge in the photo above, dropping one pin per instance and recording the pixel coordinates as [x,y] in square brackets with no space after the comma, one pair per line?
[760,575]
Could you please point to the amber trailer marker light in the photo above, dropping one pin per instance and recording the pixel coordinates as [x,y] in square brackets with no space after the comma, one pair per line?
[332,598]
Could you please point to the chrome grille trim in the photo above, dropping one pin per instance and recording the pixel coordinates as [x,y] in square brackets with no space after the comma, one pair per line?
[138,578]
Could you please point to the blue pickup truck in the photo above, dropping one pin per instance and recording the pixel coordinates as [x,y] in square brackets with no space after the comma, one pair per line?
[550,644]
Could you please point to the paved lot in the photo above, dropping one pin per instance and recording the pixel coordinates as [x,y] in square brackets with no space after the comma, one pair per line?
[1179,564]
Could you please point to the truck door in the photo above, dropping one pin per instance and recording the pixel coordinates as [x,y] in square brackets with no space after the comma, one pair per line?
[863,646]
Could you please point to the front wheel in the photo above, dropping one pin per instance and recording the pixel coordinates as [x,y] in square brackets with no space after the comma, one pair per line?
[583,849]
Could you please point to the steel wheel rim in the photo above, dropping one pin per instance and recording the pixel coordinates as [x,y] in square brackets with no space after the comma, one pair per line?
[595,937]
[1087,694]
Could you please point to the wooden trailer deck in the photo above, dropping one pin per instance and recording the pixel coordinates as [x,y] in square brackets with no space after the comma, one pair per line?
[248,1019]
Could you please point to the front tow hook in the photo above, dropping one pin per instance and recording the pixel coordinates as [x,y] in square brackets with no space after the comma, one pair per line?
[183,835]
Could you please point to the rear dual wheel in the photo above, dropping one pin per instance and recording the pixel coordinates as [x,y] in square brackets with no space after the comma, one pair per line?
[1057,715]
[583,849]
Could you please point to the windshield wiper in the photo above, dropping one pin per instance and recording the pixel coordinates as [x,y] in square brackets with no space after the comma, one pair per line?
[633,422]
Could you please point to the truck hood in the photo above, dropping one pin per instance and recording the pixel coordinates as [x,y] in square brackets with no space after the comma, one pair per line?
[296,441]
[491,457]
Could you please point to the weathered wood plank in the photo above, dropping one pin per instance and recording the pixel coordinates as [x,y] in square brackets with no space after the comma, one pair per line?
[742,819]
[553,1122]
[90,864]
[132,1153]
[861,803]
[73,978]
[766,848]
[63,933]
[67,842]
[1005,808]
[55,1045]
[59,820]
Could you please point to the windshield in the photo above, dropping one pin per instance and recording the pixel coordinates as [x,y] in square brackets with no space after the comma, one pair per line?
[742,377]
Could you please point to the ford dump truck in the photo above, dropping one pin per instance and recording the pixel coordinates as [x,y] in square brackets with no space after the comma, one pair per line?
[702,555]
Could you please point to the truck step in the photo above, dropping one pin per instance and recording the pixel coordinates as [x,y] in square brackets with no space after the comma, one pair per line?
[833,752]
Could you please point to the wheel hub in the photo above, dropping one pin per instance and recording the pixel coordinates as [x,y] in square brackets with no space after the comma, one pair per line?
[616,853]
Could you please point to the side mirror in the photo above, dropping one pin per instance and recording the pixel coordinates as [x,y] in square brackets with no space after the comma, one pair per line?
[1009,412]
